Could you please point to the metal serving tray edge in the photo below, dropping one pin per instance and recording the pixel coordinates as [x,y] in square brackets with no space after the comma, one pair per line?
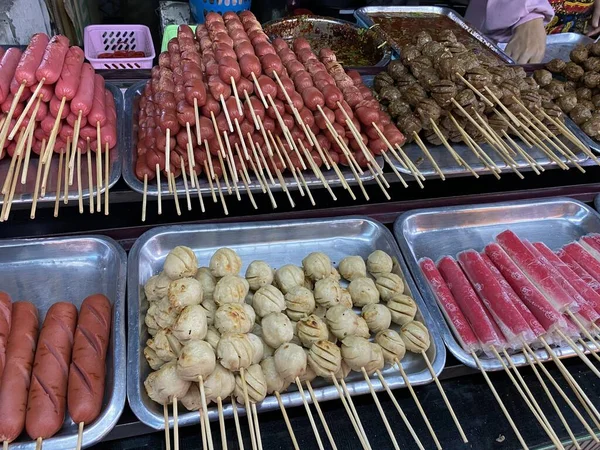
[555,222]
[129,136]
[363,18]
[45,271]
[24,192]
[277,242]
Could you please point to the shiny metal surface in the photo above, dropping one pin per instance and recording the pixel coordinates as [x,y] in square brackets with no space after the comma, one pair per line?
[45,271]
[560,45]
[24,192]
[277,243]
[451,168]
[329,32]
[437,232]
[363,17]
[130,141]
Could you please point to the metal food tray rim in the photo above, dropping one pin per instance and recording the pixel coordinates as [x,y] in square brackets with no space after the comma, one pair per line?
[362,17]
[387,53]
[488,364]
[138,186]
[116,166]
[292,398]
[109,415]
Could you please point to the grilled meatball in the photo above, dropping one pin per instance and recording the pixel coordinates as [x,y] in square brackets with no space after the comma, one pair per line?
[399,108]
[431,48]
[573,71]
[428,110]
[419,65]
[567,102]
[408,125]
[584,93]
[543,77]
[428,77]
[422,38]
[389,94]
[579,54]
[591,79]
[443,92]
[580,114]
[596,101]
[450,67]
[556,65]
[414,94]
[408,53]
[592,127]
[595,48]
[381,80]
[396,68]
[592,64]
[447,36]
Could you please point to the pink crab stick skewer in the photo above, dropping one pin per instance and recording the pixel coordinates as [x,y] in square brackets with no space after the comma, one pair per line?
[580,271]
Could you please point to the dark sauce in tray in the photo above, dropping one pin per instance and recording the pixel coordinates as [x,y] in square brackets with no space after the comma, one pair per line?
[402,28]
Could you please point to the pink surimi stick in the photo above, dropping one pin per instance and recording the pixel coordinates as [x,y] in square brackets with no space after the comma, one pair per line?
[537,303]
[494,297]
[580,271]
[584,259]
[591,298]
[591,243]
[452,310]
[537,272]
[533,323]
[482,324]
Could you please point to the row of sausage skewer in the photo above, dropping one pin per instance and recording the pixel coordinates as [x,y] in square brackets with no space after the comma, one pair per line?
[227,93]
[518,296]
[53,102]
[45,373]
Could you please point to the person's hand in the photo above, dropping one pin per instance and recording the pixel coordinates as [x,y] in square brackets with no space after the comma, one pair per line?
[595,22]
[528,43]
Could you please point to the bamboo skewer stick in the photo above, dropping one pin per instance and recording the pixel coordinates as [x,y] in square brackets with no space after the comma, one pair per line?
[66,186]
[361,436]
[317,172]
[175,194]
[247,407]
[500,402]
[167,427]
[381,186]
[99,166]
[381,412]
[58,180]
[13,186]
[353,408]
[477,150]
[387,158]
[309,413]
[90,180]
[29,132]
[288,163]
[321,415]
[287,421]
[185,186]
[238,429]
[446,144]
[37,181]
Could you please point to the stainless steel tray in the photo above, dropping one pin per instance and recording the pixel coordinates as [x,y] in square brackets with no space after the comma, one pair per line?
[24,192]
[437,232]
[560,45]
[328,32]
[277,243]
[129,137]
[363,17]
[451,168]
[45,271]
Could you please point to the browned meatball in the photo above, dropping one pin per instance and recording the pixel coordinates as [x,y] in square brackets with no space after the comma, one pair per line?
[591,79]
[381,80]
[408,125]
[446,36]
[519,72]
[552,109]
[556,65]
[431,48]
[422,38]
[408,53]
[579,54]
[428,110]
[545,95]
[596,101]
[567,102]
[592,64]
[556,88]
[396,68]
[580,114]
[543,77]
[531,84]
[570,86]
[511,88]
[418,65]
[499,74]
[456,48]
[399,108]
[388,94]
[531,99]
[404,80]
[428,77]
[414,94]
[497,124]
[573,71]
[443,92]
[479,77]
[498,94]
[592,127]
[587,104]
[468,61]
[433,138]
[451,69]
[595,48]
[466,99]
[584,93]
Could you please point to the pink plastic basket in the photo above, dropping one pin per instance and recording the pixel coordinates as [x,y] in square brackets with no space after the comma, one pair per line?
[110,38]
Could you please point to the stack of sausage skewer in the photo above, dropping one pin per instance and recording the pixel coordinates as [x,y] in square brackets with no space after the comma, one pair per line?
[53,102]
[226,102]
[46,373]
[517,296]
[215,334]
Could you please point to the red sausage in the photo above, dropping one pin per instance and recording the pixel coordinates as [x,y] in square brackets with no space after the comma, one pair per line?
[312,98]
[229,68]
[249,64]
[31,59]
[256,105]
[47,401]
[244,85]
[272,63]
[53,59]
[8,64]
[332,95]
[5,312]
[288,85]
[218,87]
[211,105]
[141,168]
[46,92]
[195,90]
[17,373]
[85,92]
[88,366]
[154,157]
[279,106]
[185,113]
[72,118]
[98,111]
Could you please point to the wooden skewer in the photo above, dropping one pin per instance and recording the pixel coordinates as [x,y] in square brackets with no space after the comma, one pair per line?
[260,92]
[262,175]
[210,183]
[387,158]
[544,148]
[48,163]
[264,135]
[252,113]
[198,190]
[145,197]
[279,177]
[317,172]
[226,111]
[257,425]
[76,130]
[366,152]
[248,410]
[205,408]
[106,178]
[158,189]
[362,437]
[556,139]
[581,355]
[67,158]
[218,133]
[512,117]
[237,98]
[309,413]
[570,136]
[477,150]
[13,186]
[233,171]
[37,181]
[531,404]
[58,180]
[203,429]
[550,397]
[381,186]
[264,162]
[175,193]
[230,159]
[238,429]
[38,444]
[399,409]
[167,426]
[185,186]
[245,177]
[283,126]
[258,177]
[287,421]
[221,423]
[408,162]
[224,172]
[500,402]
[175,425]
[11,112]
[474,89]
[560,391]
[591,351]
[80,435]
[99,165]
[585,332]
[13,161]
[29,141]
[28,106]
[190,152]
[381,412]
[79,185]
[446,144]
[2,120]
[241,136]
[320,151]
[321,415]
[513,129]
[197,118]
[353,408]
[225,210]
[288,165]
[532,162]
[54,132]
[90,181]
[443,393]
